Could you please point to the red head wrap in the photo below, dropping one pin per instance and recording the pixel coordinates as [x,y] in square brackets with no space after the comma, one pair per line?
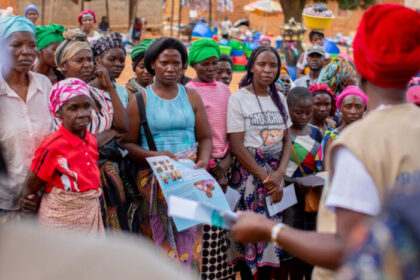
[387,45]
[82,13]
[324,89]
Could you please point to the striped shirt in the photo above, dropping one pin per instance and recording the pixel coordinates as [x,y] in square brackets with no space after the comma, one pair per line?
[215,97]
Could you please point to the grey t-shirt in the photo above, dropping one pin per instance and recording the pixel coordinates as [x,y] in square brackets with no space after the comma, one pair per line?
[262,128]
[303,81]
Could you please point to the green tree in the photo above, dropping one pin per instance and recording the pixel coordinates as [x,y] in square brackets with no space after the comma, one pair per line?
[294,8]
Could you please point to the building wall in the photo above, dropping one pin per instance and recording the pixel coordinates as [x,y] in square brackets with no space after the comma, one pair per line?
[65,12]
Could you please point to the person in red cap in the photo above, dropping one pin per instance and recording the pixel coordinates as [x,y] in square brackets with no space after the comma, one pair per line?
[87,20]
[374,158]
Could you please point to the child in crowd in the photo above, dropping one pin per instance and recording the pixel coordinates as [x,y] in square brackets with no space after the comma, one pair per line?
[306,140]
[66,163]
[224,69]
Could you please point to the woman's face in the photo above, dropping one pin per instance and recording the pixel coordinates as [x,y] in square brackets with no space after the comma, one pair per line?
[23,50]
[32,15]
[87,23]
[322,106]
[352,108]
[143,77]
[76,113]
[224,72]
[206,69]
[47,54]
[168,66]
[113,60]
[79,66]
[265,68]
[286,81]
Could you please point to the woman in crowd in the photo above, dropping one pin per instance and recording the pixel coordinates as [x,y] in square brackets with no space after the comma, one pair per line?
[258,122]
[287,81]
[103,26]
[324,107]
[143,77]
[135,32]
[306,140]
[66,164]
[203,57]
[87,20]
[224,69]
[32,13]
[24,117]
[338,74]
[352,103]
[110,53]
[109,119]
[177,121]
[48,38]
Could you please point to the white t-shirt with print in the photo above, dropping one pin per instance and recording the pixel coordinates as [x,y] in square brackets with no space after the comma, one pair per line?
[261,128]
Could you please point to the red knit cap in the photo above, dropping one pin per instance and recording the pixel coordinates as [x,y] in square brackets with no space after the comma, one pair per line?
[387,45]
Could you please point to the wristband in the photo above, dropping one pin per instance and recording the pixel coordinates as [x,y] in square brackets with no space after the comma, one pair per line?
[275,231]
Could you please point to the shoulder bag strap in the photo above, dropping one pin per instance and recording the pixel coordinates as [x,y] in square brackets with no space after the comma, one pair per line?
[297,161]
[143,122]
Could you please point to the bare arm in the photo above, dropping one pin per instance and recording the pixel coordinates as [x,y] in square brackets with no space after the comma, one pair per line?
[202,129]
[120,120]
[29,200]
[136,152]
[321,249]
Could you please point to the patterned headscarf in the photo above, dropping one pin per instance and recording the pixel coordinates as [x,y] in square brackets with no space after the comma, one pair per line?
[64,90]
[12,24]
[338,71]
[105,43]
[75,42]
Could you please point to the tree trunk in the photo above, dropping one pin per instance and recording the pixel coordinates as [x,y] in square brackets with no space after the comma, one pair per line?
[292,9]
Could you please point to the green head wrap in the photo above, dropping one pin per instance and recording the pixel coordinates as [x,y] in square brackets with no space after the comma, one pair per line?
[203,49]
[48,34]
[138,52]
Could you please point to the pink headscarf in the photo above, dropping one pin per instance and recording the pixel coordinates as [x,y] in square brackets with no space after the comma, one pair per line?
[351,90]
[413,91]
[63,90]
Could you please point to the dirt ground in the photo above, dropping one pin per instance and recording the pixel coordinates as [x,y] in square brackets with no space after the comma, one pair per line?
[128,74]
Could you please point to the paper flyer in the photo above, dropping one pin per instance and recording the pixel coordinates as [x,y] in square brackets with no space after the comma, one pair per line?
[179,178]
[311,180]
[200,212]
[289,199]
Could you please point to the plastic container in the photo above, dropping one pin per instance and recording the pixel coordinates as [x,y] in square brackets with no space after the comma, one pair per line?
[239,68]
[334,55]
[278,44]
[236,45]
[239,60]
[319,23]
[225,49]
[236,52]
[248,53]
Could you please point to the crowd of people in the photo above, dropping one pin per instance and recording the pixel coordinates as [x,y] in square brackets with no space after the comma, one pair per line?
[75,145]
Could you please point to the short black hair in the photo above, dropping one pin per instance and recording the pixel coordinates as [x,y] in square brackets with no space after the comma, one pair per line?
[158,47]
[315,32]
[225,57]
[298,93]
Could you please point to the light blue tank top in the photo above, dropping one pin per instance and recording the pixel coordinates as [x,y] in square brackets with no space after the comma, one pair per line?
[171,121]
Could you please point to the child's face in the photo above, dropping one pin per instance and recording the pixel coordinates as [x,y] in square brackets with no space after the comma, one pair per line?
[76,114]
[224,72]
[301,112]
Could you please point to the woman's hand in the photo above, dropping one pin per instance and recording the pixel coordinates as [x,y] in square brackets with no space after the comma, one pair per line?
[277,195]
[272,181]
[201,164]
[221,168]
[102,74]
[252,228]
[29,205]
[165,153]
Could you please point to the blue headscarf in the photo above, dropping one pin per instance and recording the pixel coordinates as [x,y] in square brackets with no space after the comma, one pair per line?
[31,7]
[12,24]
